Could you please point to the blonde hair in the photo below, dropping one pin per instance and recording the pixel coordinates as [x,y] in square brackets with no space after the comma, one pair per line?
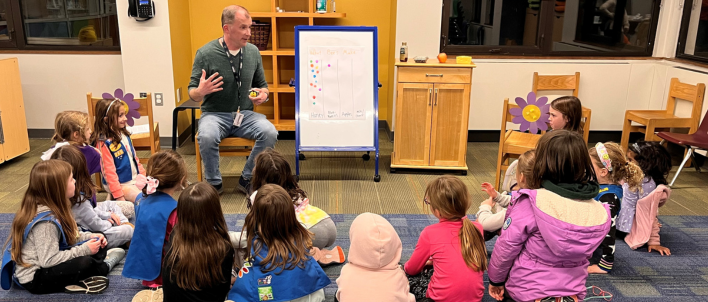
[526,160]
[450,197]
[67,123]
[621,168]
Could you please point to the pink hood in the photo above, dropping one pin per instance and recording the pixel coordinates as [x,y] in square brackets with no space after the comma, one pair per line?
[373,273]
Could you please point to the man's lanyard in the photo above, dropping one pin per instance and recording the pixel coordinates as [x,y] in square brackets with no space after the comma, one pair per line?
[239,58]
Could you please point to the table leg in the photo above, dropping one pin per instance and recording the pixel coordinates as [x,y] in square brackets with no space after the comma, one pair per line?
[175,115]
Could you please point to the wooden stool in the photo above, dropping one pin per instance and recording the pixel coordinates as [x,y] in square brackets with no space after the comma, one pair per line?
[226,142]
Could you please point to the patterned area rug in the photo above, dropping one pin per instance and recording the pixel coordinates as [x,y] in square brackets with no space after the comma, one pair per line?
[638,276]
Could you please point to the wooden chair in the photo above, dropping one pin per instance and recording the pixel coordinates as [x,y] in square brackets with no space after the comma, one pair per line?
[247,145]
[653,121]
[142,141]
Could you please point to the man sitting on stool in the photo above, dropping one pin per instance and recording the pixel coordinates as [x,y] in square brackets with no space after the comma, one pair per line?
[234,67]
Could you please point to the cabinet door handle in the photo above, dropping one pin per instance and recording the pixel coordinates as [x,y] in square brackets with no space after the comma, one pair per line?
[434,75]
[430,95]
[436,96]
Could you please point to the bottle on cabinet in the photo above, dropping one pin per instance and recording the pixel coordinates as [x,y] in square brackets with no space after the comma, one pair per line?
[404,52]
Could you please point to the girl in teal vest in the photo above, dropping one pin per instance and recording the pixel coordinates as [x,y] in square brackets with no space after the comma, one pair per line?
[155,217]
[46,253]
[278,266]
[611,169]
[120,165]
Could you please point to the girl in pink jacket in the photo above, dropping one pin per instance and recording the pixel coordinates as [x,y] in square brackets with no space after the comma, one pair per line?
[552,230]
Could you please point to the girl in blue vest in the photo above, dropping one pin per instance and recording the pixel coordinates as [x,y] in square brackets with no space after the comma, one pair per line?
[106,217]
[120,165]
[278,266]
[155,217]
[46,253]
[200,256]
[611,169]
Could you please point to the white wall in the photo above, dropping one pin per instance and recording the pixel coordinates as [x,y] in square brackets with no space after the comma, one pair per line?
[54,83]
[147,59]
[608,87]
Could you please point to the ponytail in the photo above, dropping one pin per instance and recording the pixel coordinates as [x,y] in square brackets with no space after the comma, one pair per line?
[472,244]
[633,176]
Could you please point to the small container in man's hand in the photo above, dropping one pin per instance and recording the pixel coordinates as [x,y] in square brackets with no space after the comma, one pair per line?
[252,93]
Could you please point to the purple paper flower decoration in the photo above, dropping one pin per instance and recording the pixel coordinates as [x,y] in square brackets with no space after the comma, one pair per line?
[531,115]
[131,106]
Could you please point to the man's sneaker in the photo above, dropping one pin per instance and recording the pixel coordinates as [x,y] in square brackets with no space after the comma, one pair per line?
[244,186]
[219,188]
[113,256]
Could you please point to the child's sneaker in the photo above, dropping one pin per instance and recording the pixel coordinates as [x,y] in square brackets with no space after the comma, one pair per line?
[113,256]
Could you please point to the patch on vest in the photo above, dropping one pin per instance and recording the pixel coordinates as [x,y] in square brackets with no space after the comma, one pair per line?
[265,293]
[264,281]
[507,223]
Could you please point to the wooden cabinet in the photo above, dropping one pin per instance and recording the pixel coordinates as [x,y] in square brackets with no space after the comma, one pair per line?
[14,140]
[432,113]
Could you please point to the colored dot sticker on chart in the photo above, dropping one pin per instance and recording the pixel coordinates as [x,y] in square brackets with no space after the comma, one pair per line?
[313,103]
[313,97]
[312,65]
[314,76]
[320,89]
[318,71]
[317,67]
[329,65]
[317,61]
[310,84]
[313,70]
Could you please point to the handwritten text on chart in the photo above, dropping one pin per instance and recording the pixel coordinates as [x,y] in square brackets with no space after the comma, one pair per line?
[336,83]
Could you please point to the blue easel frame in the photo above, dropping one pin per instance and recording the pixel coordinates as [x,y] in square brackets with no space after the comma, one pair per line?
[375,86]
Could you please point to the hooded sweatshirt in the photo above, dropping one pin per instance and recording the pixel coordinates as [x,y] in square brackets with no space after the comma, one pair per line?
[373,273]
[546,242]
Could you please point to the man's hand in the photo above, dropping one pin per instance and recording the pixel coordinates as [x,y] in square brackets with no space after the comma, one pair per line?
[207,86]
[261,97]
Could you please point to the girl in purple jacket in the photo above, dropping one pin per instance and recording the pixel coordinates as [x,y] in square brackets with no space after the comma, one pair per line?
[552,229]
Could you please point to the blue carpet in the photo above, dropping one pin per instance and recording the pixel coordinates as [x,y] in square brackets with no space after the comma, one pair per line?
[638,276]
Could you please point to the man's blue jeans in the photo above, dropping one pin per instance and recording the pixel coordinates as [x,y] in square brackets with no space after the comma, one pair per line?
[215,126]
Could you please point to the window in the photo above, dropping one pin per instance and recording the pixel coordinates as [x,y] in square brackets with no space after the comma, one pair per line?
[59,25]
[693,40]
[549,27]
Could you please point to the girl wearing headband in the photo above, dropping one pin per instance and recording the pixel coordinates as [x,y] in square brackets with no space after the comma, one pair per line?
[120,165]
[611,168]
[156,216]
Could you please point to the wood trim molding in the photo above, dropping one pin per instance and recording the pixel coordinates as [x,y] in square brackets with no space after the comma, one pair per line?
[61,52]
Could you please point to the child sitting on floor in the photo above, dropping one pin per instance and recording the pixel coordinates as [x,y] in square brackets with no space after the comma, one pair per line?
[373,272]
[637,219]
[278,265]
[454,247]
[611,169]
[46,253]
[199,257]
[493,222]
[72,127]
[105,217]
[155,217]
[552,230]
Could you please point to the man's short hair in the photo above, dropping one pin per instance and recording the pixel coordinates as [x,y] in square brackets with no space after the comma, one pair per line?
[229,14]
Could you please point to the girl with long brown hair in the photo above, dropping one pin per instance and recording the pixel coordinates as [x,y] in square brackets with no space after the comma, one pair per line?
[278,264]
[199,255]
[551,229]
[120,165]
[46,253]
[273,168]
[156,217]
[454,246]
[611,169]
[105,217]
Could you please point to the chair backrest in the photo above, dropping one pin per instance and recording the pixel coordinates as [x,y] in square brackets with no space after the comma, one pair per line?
[145,109]
[556,82]
[688,92]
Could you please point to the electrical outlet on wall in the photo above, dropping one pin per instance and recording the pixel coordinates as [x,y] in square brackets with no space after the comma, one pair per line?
[158,99]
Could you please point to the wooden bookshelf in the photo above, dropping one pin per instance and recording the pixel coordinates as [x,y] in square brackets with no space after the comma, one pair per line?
[279,57]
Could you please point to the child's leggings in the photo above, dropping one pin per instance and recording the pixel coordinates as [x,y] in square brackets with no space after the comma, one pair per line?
[54,279]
